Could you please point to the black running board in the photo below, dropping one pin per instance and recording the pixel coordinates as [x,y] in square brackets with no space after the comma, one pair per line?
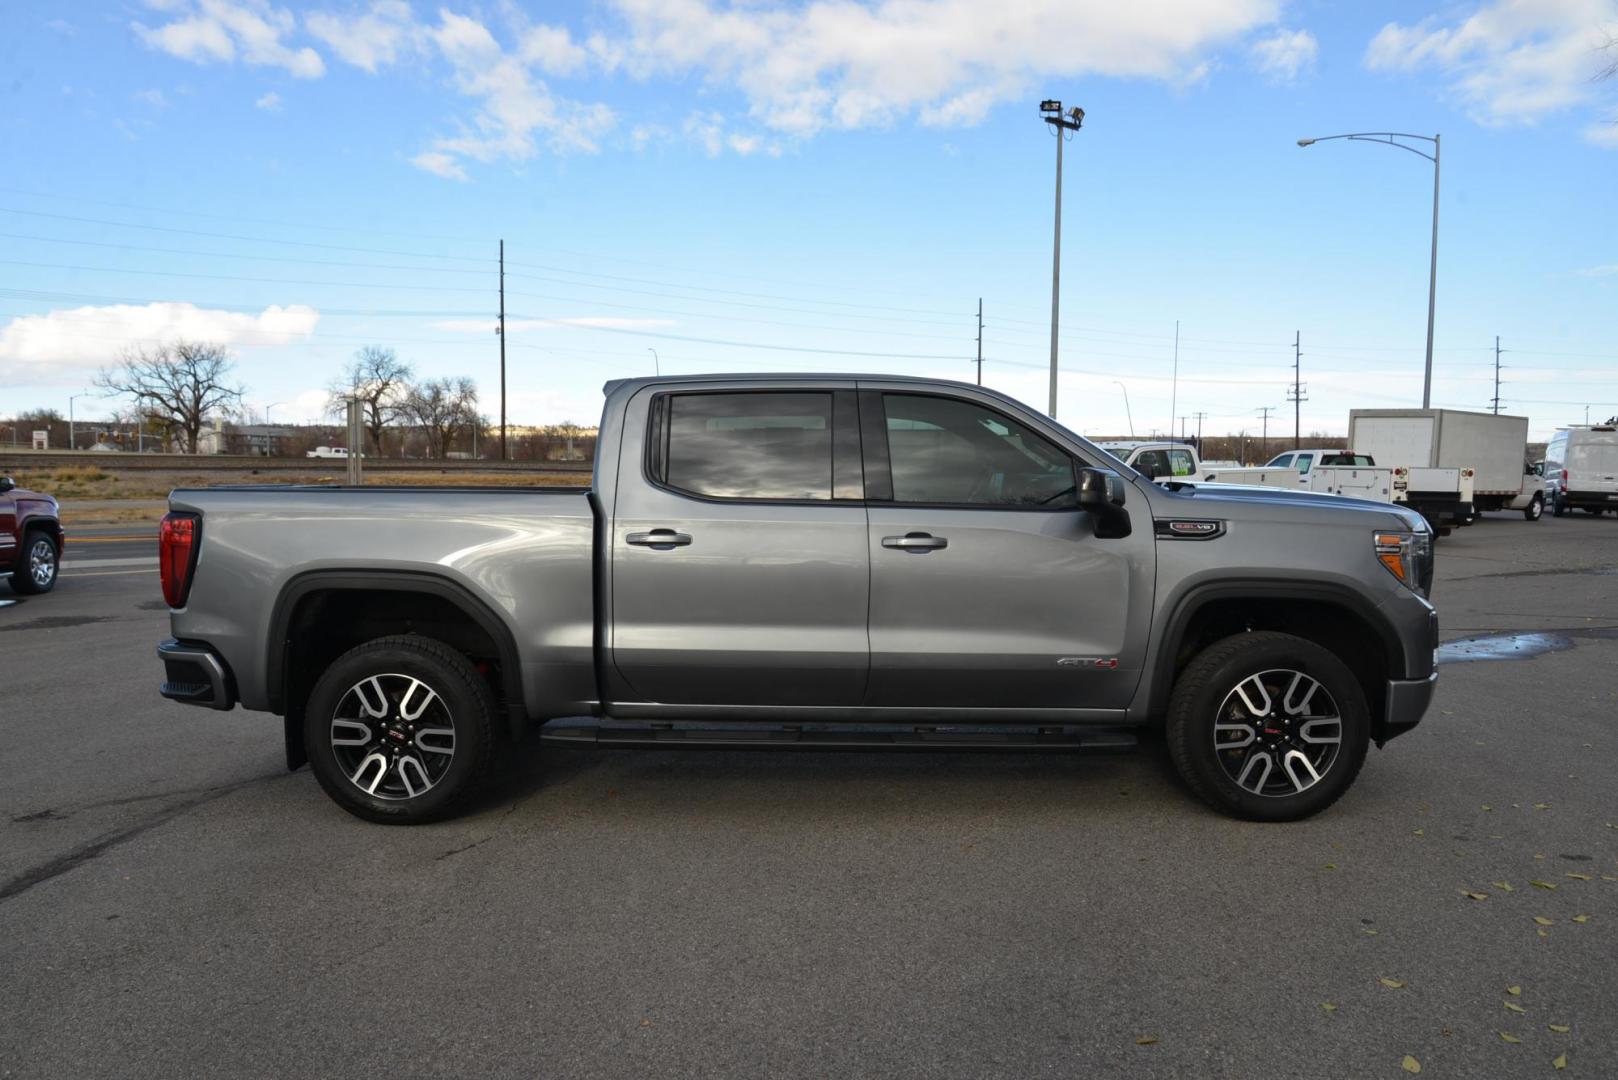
[696,736]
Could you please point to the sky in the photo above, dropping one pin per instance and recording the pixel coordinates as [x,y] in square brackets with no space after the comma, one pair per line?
[694,186]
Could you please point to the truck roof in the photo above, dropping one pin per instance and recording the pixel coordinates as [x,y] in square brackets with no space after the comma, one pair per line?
[613,385]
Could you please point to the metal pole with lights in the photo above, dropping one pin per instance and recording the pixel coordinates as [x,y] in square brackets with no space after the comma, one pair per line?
[1061,123]
[1127,411]
[657,364]
[1391,138]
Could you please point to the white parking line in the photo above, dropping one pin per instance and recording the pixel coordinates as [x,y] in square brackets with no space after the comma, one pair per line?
[92,564]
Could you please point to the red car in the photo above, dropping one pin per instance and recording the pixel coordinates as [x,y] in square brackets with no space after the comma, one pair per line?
[30,538]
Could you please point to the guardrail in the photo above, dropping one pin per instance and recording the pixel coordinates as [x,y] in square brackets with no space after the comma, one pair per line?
[67,459]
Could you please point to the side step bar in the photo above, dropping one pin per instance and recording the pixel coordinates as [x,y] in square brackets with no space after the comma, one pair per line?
[696,736]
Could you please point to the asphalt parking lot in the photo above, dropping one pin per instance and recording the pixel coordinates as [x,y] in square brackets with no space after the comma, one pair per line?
[172,902]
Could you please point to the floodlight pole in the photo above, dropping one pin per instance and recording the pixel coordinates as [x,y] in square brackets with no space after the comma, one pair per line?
[1391,138]
[1051,112]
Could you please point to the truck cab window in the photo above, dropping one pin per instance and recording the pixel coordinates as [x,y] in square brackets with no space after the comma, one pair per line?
[1304,461]
[1180,463]
[750,446]
[944,450]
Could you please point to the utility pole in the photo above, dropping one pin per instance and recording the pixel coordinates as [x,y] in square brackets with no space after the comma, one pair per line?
[1201,416]
[1264,444]
[1295,392]
[1497,374]
[980,341]
[1183,419]
[502,333]
[1051,112]
[1174,385]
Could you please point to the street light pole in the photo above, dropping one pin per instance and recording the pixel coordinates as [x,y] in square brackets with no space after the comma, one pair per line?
[1051,112]
[1390,138]
[657,364]
[72,443]
[1127,410]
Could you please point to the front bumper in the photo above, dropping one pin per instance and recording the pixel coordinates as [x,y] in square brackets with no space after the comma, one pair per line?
[1407,701]
[195,675]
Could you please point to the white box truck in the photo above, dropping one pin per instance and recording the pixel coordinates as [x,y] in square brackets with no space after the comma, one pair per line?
[1442,453]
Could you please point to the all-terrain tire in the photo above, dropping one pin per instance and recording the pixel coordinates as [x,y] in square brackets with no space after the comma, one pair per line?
[377,686]
[1203,696]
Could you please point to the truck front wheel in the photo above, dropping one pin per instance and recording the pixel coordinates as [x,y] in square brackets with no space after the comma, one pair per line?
[400,730]
[1535,507]
[1268,727]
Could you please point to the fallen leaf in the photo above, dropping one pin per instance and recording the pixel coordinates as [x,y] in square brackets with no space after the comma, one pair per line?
[1560,1029]
[1542,884]
[1508,1037]
[1542,806]
[1543,921]
[1413,1066]
[1503,886]
[1514,991]
[1475,895]
[1330,866]
[1419,832]
[1578,877]
[1581,918]
[1368,930]
[1609,877]
[1146,1040]
[1514,1007]
[1488,808]
[1328,1006]
[1559,1062]
[1544,933]
[1393,983]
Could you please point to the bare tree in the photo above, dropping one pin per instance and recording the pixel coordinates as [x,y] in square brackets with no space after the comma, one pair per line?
[442,408]
[381,383]
[176,385]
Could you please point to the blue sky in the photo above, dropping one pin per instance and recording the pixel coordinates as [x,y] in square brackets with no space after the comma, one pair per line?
[822,186]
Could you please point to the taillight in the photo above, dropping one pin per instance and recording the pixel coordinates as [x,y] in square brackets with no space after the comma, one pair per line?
[177,556]
[1564,477]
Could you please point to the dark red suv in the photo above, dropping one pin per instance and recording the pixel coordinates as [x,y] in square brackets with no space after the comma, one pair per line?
[30,538]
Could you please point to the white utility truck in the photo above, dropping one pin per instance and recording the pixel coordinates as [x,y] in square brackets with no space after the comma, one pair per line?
[1447,463]
[1581,466]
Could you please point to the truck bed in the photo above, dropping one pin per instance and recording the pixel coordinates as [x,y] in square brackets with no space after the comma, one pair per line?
[528,552]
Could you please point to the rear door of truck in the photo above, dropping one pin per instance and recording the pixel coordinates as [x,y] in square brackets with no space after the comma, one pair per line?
[738,547]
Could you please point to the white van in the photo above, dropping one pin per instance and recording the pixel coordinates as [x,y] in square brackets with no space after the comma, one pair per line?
[1582,465]
[338,452]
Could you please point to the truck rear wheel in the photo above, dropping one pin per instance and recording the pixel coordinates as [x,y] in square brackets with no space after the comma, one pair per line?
[1268,727]
[400,730]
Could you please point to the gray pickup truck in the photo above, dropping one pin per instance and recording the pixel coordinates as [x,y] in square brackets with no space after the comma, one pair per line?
[807,562]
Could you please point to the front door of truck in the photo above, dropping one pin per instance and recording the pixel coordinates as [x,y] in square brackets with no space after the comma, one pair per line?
[989,587]
[739,570]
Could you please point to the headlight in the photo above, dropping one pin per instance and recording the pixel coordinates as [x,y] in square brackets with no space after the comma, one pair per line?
[1408,556]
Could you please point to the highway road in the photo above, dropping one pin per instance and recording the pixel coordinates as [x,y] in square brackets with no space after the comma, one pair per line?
[173,902]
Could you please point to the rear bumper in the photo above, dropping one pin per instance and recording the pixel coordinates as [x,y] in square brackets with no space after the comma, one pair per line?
[1580,500]
[195,675]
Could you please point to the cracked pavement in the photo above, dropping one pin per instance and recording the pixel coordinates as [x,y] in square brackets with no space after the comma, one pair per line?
[173,903]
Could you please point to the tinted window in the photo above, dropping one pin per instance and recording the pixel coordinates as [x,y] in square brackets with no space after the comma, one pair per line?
[1304,461]
[1360,460]
[750,446]
[1282,461]
[942,450]
[1180,463]
[1153,463]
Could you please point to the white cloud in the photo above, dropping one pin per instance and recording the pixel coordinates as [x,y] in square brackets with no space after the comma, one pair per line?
[270,102]
[1285,54]
[66,344]
[439,164]
[222,30]
[515,110]
[1510,61]
[154,98]
[523,326]
[553,50]
[386,32]
[836,64]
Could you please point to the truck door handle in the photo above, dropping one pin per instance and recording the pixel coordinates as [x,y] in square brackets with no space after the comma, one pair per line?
[918,543]
[660,539]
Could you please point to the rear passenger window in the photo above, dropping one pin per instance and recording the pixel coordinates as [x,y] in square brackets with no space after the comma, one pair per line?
[749,446]
[1180,463]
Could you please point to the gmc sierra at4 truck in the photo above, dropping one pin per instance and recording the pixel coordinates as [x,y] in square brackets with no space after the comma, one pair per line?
[807,562]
